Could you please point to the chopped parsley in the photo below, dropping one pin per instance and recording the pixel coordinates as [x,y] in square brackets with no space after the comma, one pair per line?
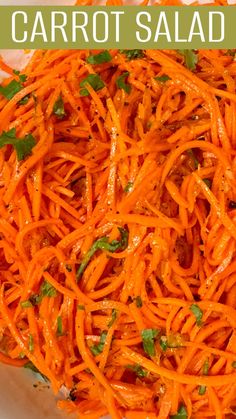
[132,54]
[102,57]
[148,338]
[35,99]
[174,340]
[47,290]
[26,304]
[138,301]
[121,83]
[181,414]
[198,313]
[14,86]
[164,343]
[22,146]
[22,77]
[58,108]
[201,390]
[11,89]
[103,244]
[162,79]
[59,326]
[113,317]
[24,100]
[208,182]
[128,187]
[190,58]
[193,158]
[97,349]
[139,371]
[95,82]
[205,370]
[31,343]
[34,299]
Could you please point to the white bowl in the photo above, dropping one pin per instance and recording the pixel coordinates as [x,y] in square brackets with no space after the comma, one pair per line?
[20,399]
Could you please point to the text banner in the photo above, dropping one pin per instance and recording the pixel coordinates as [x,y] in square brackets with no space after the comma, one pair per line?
[132,27]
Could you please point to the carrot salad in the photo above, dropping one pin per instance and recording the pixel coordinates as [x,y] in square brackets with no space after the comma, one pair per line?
[118,229]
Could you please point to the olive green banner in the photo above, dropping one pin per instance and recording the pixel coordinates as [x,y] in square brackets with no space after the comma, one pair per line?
[131,27]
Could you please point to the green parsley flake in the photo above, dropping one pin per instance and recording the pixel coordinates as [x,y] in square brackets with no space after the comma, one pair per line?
[102,57]
[190,58]
[97,349]
[113,317]
[193,157]
[26,304]
[11,89]
[205,368]
[162,79]
[208,182]
[22,77]
[148,336]
[58,108]
[138,301]
[129,187]
[22,146]
[14,86]
[31,343]
[181,414]
[48,290]
[103,244]
[95,82]
[139,371]
[24,100]
[59,326]
[120,82]
[201,390]
[132,54]
[198,313]
[164,343]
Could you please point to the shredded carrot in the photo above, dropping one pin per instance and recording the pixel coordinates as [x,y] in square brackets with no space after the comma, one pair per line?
[118,231]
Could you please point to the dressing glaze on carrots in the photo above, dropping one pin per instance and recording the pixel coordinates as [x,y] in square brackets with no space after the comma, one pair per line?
[118,229]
